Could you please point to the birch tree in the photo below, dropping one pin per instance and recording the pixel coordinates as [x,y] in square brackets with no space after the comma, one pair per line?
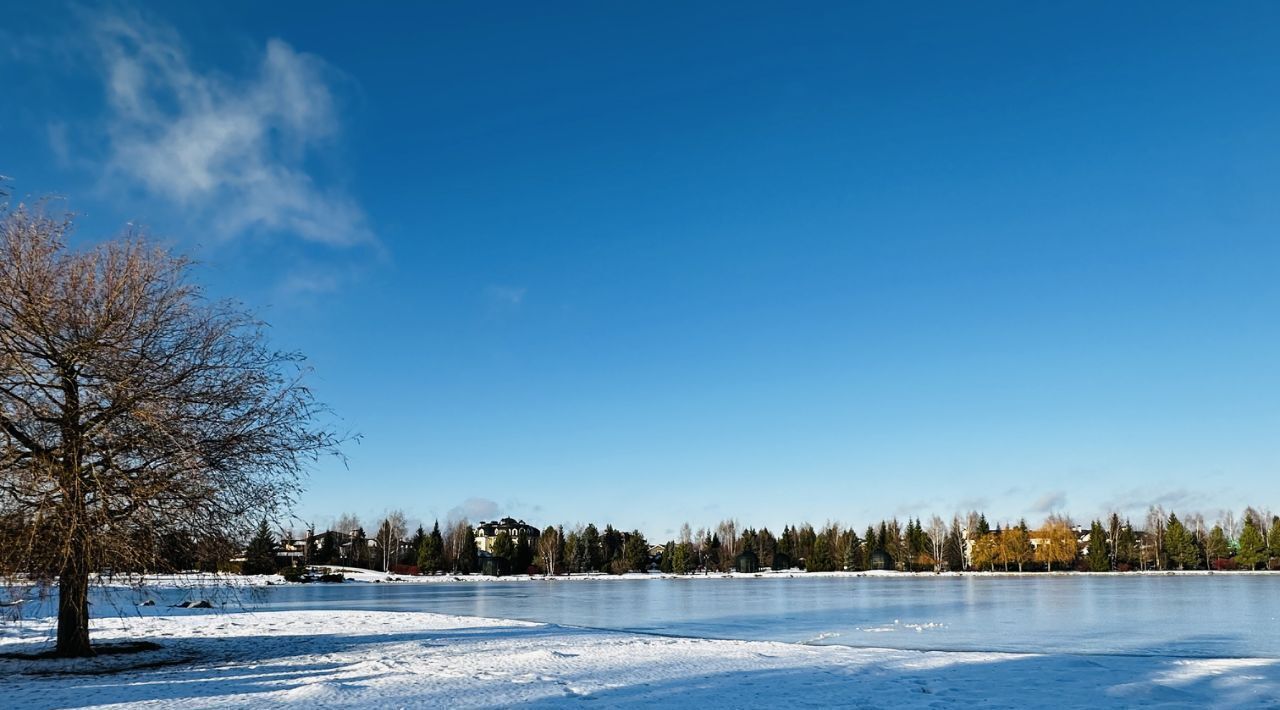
[938,541]
[549,550]
[390,533]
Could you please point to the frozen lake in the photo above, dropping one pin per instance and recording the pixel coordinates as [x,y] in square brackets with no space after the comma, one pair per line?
[1193,616]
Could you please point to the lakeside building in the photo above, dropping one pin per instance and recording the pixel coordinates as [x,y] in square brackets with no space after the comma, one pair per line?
[487,533]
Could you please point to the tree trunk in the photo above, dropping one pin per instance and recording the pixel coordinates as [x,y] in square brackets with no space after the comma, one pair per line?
[73,610]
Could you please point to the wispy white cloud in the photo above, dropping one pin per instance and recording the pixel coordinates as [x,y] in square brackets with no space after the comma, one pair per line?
[977,503]
[58,143]
[230,149]
[504,296]
[310,282]
[1050,502]
[1138,500]
[474,510]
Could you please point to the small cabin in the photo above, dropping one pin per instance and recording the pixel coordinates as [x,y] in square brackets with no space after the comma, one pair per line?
[747,562]
[781,560]
[881,560]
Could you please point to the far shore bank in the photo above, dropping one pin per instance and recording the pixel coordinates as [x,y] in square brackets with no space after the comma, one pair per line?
[363,576]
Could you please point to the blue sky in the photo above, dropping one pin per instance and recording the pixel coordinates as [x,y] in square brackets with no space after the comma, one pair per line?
[663,263]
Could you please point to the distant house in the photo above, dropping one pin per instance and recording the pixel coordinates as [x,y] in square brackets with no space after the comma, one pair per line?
[291,553]
[747,562]
[881,560]
[319,543]
[781,560]
[487,533]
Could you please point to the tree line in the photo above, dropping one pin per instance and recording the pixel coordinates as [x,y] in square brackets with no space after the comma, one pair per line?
[968,542]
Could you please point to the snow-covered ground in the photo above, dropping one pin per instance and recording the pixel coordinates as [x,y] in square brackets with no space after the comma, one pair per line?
[399,659]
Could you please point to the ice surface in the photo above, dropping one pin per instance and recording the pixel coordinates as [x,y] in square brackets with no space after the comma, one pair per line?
[406,659]
[1196,616]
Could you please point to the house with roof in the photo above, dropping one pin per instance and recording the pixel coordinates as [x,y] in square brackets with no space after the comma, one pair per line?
[487,533]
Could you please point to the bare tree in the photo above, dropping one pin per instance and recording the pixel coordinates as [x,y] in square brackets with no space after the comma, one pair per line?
[347,524]
[390,535]
[549,549]
[132,408]
[1231,525]
[728,532]
[896,548]
[1156,521]
[937,541]
[455,541]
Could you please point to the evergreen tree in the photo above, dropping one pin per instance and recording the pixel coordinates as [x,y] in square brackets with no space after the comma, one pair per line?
[914,546]
[1180,546]
[682,561]
[983,527]
[579,559]
[522,559]
[504,548]
[328,550]
[953,551]
[562,549]
[572,553]
[820,559]
[610,546]
[851,548]
[1273,538]
[590,553]
[414,550]
[468,559]
[260,556]
[635,553]
[667,564]
[431,552]
[1099,559]
[712,560]
[785,545]
[1217,547]
[1126,547]
[1253,548]
[868,547]
[359,549]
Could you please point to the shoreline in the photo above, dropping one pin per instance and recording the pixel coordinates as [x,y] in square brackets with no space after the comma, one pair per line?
[362,576]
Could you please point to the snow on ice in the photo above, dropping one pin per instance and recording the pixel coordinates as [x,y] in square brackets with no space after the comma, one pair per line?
[395,659]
